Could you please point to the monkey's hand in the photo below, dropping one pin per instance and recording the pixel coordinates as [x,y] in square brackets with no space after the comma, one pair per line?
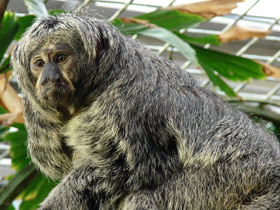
[74,192]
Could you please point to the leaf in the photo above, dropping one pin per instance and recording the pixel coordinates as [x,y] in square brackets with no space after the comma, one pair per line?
[15,185]
[162,34]
[7,32]
[171,19]
[217,81]
[207,9]
[230,66]
[2,110]
[18,149]
[3,6]
[145,23]
[24,23]
[211,39]
[10,118]
[36,192]
[8,96]
[128,26]
[4,130]
[238,33]
[11,207]
[36,7]
[17,141]
[172,39]
[56,12]
[270,70]
[6,65]
[19,126]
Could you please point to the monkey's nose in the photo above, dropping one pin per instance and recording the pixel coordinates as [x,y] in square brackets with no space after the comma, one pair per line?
[51,73]
[52,78]
[56,78]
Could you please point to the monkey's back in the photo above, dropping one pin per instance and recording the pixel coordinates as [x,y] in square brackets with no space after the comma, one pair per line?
[199,151]
[223,160]
[160,91]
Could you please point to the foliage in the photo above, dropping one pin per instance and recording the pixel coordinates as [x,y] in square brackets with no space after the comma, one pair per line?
[27,184]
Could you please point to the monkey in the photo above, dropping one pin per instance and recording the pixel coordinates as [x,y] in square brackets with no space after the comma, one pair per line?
[123,128]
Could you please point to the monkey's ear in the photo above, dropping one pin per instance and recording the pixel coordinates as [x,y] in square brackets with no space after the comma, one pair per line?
[95,37]
[102,44]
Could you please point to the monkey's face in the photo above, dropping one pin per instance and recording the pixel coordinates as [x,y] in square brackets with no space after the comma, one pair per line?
[51,66]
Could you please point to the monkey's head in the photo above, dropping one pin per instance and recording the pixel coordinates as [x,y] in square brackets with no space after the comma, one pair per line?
[50,67]
[56,59]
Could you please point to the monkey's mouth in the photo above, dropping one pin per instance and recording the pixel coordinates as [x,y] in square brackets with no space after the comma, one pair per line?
[57,95]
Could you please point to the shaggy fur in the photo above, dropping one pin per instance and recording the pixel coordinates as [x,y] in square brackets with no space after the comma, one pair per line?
[140,132]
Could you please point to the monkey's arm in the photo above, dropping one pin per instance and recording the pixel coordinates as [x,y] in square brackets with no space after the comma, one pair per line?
[75,191]
[81,190]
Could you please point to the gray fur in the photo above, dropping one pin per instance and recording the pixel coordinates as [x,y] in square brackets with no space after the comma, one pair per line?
[142,133]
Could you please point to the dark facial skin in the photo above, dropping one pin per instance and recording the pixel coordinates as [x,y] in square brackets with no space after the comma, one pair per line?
[51,66]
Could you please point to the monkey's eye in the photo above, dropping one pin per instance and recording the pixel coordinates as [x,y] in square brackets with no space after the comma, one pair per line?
[61,58]
[39,63]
